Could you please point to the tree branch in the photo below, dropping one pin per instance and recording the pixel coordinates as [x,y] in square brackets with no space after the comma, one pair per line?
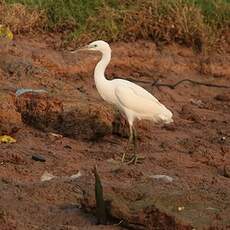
[173,86]
[156,83]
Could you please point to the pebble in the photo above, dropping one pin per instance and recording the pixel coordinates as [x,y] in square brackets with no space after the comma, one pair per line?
[162,177]
[38,157]
[23,90]
[74,176]
[180,209]
[47,176]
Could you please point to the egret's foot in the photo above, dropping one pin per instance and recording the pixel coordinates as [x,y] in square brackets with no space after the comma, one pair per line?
[127,150]
[134,159]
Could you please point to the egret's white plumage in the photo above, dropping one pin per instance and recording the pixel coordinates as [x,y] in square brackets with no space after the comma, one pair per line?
[131,99]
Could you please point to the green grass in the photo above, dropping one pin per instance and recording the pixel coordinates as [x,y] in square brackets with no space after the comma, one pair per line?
[216,12]
[190,22]
[61,11]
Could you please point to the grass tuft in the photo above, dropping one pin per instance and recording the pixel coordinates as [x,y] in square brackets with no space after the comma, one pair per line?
[21,19]
[197,23]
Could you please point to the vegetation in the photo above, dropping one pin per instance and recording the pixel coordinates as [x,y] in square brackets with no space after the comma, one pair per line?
[21,19]
[197,23]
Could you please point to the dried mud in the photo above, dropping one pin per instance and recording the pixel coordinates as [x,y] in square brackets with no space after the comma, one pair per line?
[194,150]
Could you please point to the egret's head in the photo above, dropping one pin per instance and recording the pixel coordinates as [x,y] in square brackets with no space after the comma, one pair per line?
[100,45]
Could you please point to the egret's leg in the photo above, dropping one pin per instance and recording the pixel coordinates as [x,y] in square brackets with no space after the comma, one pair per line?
[131,134]
[131,138]
[135,158]
[134,141]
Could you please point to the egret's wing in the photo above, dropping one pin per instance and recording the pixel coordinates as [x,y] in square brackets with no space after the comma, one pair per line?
[132,100]
[143,93]
[137,89]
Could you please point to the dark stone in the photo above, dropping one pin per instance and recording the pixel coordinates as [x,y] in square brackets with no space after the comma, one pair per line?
[38,157]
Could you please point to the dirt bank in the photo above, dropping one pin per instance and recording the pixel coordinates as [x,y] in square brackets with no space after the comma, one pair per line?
[194,151]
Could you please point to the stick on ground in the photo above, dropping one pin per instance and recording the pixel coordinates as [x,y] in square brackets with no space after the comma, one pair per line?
[157,84]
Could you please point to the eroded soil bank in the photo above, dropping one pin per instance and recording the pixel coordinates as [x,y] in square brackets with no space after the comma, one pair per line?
[193,152]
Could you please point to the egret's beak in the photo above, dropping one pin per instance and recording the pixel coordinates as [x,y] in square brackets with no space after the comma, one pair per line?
[81,49]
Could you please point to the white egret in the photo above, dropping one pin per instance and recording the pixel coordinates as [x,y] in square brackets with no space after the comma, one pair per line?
[131,99]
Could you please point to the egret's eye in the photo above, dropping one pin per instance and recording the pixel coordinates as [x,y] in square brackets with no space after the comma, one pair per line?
[95,45]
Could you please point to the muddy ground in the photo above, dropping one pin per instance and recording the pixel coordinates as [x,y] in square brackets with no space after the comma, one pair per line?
[73,130]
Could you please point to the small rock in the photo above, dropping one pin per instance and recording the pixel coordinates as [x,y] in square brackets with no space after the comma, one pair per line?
[180,209]
[23,90]
[37,157]
[47,176]
[74,176]
[222,139]
[162,177]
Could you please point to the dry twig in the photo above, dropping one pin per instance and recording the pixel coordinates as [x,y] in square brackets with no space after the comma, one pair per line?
[157,84]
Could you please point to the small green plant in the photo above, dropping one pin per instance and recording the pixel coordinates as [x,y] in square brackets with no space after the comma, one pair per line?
[100,203]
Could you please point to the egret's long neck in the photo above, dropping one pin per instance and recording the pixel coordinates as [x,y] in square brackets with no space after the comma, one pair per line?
[104,86]
[99,72]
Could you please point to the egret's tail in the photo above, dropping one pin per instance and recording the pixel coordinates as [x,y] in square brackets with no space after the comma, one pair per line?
[169,121]
[166,116]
